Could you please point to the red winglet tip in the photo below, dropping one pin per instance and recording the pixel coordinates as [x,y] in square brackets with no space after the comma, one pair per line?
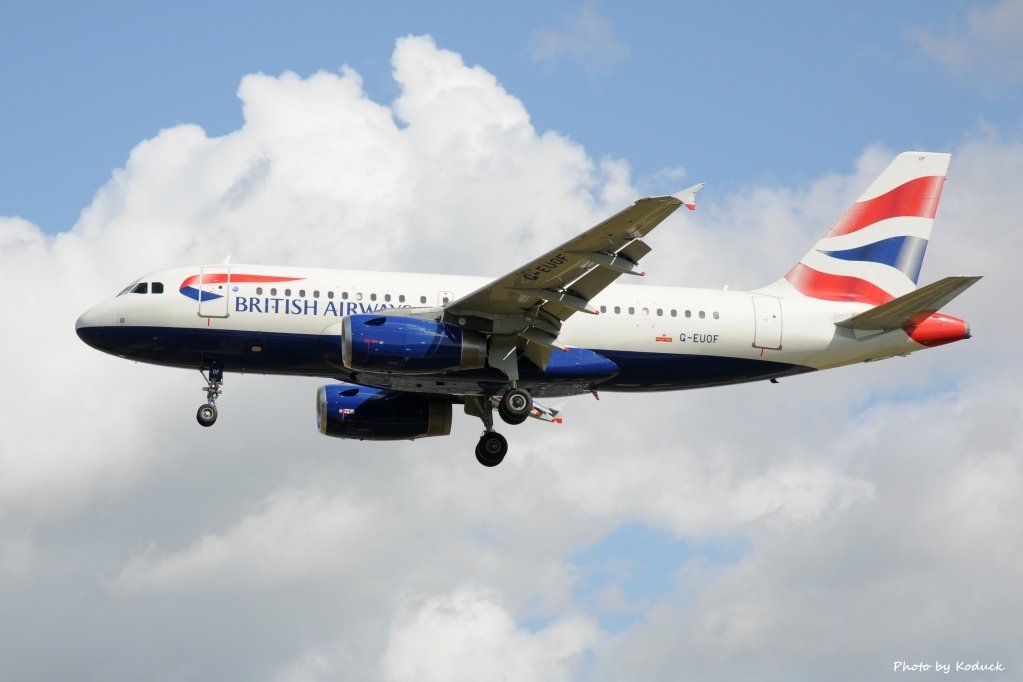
[691,207]
[558,420]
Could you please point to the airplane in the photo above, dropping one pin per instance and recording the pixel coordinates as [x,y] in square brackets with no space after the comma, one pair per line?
[405,348]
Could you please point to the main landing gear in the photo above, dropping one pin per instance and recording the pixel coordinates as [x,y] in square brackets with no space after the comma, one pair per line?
[207,414]
[514,407]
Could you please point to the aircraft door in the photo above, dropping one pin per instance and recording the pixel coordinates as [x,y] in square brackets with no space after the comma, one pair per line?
[767,321]
[214,291]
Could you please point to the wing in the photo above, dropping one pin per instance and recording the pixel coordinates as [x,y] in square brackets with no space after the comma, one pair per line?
[529,304]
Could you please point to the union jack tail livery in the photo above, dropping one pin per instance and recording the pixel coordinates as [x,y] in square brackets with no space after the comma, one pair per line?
[874,252]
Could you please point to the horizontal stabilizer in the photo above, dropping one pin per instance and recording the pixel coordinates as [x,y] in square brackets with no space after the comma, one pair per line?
[912,308]
[688,196]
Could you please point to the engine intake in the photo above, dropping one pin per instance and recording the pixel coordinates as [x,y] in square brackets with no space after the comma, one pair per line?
[409,345]
[349,411]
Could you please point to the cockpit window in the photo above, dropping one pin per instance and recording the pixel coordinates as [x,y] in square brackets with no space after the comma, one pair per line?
[142,287]
[129,288]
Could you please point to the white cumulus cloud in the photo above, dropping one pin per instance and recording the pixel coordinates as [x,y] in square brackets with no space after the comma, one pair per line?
[469,635]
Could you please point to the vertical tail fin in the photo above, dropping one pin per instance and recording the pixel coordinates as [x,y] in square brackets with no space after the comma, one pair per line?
[874,252]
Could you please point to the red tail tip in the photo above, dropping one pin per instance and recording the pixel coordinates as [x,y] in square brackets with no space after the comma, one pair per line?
[939,329]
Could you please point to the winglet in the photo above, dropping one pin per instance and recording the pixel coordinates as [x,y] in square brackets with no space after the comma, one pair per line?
[688,196]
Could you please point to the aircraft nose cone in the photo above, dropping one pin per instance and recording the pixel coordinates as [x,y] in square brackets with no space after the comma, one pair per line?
[89,329]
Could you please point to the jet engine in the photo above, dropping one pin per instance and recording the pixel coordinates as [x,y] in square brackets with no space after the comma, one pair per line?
[409,345]
[350,411]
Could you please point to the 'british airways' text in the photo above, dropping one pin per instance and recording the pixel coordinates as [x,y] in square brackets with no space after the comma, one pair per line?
[301,306]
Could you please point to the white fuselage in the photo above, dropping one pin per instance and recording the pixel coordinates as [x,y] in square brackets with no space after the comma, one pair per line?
[286,320]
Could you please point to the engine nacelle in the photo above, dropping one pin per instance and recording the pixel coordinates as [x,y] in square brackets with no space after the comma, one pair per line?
[349,411]
[409,345]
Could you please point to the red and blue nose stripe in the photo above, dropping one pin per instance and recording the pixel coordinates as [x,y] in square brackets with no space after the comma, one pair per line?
[191,287]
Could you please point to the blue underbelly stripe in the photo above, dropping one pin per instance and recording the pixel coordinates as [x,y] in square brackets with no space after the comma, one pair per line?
[318,355]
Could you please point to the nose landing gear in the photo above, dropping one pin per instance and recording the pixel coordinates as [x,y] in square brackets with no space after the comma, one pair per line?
[207,414]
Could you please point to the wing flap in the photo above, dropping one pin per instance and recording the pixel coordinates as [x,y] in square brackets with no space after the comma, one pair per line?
[912,308]
[538,354]
[593,282]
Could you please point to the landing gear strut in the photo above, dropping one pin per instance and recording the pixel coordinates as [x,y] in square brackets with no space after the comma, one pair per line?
[514,407]
[492,448]
[207,414]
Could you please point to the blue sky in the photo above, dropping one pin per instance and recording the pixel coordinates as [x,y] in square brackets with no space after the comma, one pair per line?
[734,93]
[828,524]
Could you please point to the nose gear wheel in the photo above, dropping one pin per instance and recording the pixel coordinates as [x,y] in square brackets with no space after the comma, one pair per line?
[206,415]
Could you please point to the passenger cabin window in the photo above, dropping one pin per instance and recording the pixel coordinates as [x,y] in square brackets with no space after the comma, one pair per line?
[702,314]
[716,316]
[259,291]
[422,299]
